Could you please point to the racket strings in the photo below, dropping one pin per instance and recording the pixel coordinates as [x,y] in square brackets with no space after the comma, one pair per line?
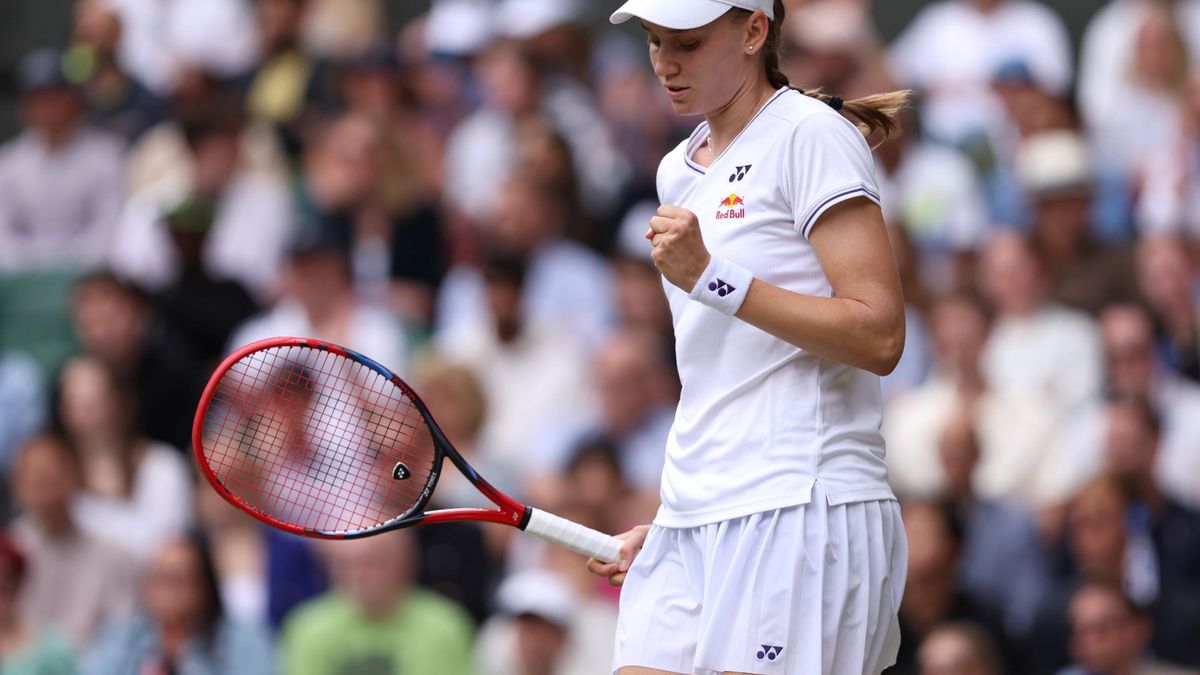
[312,439]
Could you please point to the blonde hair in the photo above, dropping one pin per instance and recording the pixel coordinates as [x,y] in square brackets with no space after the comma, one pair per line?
[876,113]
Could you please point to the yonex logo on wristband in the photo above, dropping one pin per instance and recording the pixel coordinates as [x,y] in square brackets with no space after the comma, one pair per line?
[769,652]
[721,288]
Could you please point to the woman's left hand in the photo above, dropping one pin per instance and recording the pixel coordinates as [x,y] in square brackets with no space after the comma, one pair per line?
[679,251]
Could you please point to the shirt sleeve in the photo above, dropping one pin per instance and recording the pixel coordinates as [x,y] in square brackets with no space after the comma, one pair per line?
[830,162]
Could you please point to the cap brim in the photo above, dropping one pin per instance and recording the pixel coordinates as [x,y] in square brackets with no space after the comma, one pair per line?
[673,15]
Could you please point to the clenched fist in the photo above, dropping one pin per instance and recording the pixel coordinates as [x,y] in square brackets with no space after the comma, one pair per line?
[679,251]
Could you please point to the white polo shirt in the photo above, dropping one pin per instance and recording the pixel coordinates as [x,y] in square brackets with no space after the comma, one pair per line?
[759,419]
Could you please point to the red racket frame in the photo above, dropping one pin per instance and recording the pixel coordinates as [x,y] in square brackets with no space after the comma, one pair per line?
[510,512]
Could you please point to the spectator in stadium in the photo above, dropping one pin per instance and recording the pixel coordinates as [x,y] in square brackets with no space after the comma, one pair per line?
[834,47]
[1166,280]
[25,646]
[1001,563]
[1172,561]
[1015,430]
[532,632]
[198,311]
[959,648]
[1136,117]
[593,481]
[1133,371]
[115,101]
[362,180]
[951,50]
[1111,42]
[75,582]
[1058,173]
[933,594]
[1110,634]
[635,410]
[1036,347]
[481,152]
[283,78]
[517,345]
[462,561]
[319,301]
[568,286]
[137,492]
[182,626]
[61,181]
[375,619]
[934,194]
[204,153]
[1095,547]
[238,544]
[159,40]
[22,404]
[115,325]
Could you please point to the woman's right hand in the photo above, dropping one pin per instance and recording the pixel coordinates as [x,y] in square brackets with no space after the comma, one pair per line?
[631,543]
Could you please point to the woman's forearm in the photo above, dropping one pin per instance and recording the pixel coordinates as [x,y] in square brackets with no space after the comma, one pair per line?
[841,329]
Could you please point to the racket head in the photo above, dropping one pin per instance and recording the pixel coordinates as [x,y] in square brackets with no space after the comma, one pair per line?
[317,440]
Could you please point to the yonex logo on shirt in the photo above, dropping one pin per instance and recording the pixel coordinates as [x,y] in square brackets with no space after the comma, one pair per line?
[740,172]
[721,288]
[769,652]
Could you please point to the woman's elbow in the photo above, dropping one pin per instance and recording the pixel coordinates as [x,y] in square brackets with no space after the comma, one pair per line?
[889,348]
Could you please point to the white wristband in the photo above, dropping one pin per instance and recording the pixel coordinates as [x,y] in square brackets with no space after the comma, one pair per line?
[723,286]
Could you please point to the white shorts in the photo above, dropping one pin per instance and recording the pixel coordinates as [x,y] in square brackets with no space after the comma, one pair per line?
[803,590]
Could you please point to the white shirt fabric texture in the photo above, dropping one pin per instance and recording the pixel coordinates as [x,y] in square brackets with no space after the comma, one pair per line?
[760,420]
[158,508]
[247,243]
[1177,464]
[1054,353]
[566,285]
[160,38]
[58,205]
[76,582]
[1016,432]
[542,375]
[951,51]
[372,332]
[1107,51]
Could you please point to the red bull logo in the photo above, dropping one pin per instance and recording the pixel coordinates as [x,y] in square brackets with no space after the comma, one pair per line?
[728,208]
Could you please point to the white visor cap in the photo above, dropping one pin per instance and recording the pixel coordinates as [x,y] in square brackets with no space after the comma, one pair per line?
[686,14]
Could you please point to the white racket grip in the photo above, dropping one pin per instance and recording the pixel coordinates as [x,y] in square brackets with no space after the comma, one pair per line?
[574,536]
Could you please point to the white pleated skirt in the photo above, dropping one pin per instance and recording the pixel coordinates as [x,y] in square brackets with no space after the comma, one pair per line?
[805,590]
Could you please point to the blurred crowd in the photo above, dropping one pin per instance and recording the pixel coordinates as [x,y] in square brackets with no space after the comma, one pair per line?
[464,201]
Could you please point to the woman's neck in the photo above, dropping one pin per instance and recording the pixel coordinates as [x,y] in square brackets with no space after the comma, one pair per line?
[725,123]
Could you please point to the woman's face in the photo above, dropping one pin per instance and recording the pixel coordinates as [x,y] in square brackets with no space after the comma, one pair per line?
[704,68]
[174,591]
[89,405]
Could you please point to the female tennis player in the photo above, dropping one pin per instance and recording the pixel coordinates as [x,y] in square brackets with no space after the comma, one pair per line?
[778,547]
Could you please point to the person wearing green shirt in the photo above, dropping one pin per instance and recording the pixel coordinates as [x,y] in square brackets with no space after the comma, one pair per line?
[375,621]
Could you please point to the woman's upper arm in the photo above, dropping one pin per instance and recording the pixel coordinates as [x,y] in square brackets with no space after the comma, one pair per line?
[852,244]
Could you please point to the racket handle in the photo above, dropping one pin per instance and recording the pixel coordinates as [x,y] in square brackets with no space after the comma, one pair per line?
[574,536]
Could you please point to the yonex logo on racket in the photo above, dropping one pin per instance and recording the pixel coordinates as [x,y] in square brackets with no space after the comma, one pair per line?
[721,288]
[769,652]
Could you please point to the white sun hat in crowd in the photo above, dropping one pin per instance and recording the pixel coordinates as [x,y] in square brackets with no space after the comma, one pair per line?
[523,19]
[686,14]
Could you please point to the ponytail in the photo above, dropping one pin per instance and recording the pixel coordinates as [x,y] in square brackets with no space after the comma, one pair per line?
[875,113]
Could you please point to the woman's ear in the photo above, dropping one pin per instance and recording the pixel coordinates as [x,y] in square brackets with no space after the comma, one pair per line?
[756,32]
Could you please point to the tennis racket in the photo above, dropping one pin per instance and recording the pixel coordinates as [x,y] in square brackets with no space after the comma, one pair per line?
[321,441]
